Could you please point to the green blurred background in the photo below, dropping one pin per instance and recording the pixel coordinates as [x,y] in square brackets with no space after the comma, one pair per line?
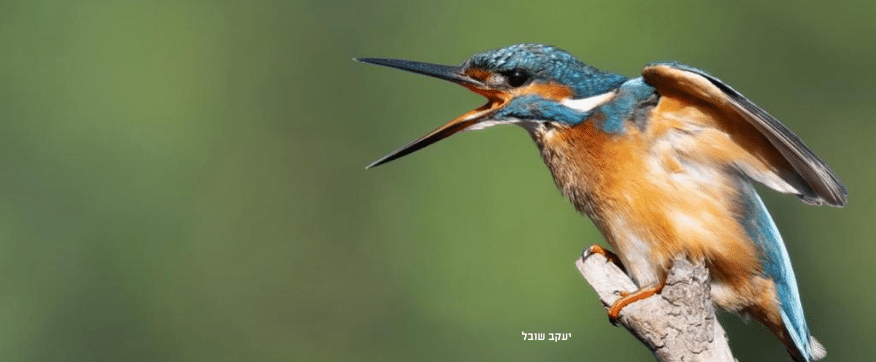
[183,180]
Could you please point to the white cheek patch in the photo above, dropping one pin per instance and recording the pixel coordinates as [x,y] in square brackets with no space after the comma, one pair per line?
[589,103]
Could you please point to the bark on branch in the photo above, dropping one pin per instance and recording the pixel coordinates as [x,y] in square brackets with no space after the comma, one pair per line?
[678,324]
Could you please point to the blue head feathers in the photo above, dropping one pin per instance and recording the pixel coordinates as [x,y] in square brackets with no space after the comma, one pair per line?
[547,63]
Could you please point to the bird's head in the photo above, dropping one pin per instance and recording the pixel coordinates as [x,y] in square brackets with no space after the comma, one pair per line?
[526,84]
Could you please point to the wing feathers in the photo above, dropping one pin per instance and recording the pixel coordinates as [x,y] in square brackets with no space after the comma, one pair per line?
[820,183]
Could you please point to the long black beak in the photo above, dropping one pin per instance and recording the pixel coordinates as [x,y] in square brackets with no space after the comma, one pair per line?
[446,72]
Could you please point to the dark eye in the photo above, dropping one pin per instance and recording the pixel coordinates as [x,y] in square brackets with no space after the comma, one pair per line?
[517,77]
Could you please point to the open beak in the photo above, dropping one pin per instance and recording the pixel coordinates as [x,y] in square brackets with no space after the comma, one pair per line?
[449,73]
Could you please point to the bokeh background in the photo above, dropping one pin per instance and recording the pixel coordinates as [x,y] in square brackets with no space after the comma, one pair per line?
[183,180]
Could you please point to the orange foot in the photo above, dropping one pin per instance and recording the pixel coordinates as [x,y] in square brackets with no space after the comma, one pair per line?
[627,298]
[598,249]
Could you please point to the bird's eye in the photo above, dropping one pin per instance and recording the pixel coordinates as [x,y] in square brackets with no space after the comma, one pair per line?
[516,77]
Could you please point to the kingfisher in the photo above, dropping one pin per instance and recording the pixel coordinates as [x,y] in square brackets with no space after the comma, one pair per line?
[663,164]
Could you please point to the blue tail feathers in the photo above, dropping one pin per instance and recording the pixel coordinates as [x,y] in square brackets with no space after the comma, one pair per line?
[777,265]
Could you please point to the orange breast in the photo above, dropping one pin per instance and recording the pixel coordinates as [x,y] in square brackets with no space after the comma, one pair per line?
[651,201]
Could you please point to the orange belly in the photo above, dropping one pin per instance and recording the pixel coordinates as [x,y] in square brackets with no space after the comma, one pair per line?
[652,205]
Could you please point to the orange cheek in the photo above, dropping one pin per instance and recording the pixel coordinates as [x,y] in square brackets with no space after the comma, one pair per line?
[551,91]
[478,74]
[495,96]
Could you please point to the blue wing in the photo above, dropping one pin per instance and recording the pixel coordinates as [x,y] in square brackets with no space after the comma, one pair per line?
[777,265]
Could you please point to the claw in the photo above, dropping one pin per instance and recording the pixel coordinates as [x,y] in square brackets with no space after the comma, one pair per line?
[598,249]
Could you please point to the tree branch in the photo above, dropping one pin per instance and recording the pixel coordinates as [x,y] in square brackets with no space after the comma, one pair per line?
[678,324]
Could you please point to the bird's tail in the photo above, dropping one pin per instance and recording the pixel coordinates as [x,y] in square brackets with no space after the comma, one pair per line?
[803,352]
[816,350]
[791,326]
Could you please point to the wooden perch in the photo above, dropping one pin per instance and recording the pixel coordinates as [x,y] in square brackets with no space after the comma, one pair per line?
[677,324]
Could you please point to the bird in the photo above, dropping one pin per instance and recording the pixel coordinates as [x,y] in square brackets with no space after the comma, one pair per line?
[664,165]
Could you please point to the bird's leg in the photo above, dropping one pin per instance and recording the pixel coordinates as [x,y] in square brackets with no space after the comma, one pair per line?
[627,298]
[598,249]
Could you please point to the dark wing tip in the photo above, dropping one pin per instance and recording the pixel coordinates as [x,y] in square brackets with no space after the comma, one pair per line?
[840,194]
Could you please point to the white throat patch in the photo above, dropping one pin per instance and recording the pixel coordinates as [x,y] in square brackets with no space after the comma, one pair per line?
[486,124]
